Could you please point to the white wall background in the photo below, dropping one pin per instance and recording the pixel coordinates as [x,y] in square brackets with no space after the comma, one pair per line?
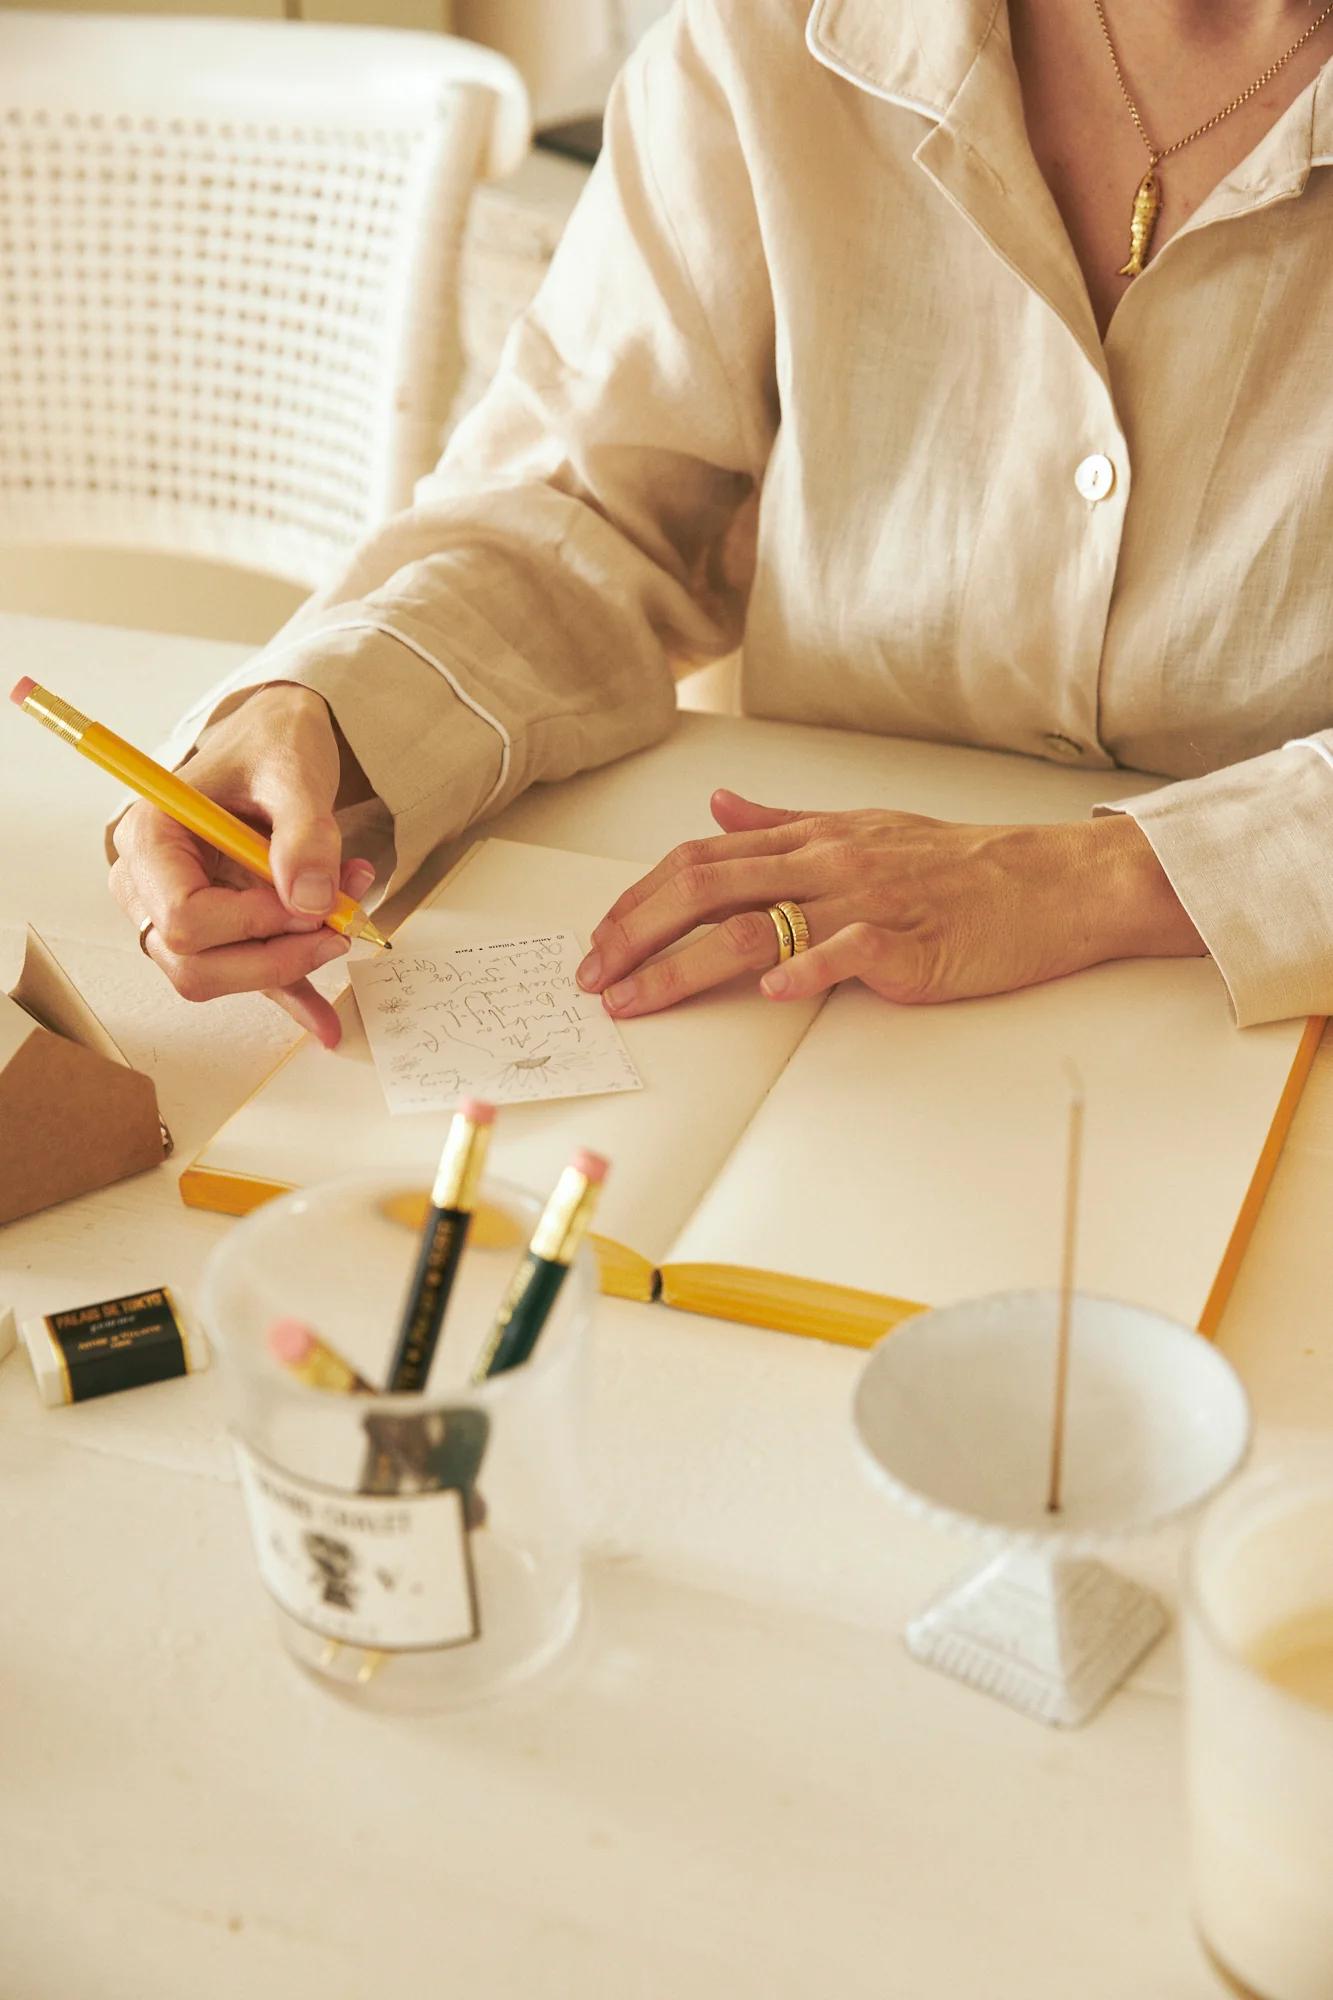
[567,50]
[562,47]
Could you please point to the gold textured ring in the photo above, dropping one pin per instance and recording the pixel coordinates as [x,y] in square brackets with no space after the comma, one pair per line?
[796,924]
[144,929]
[786,941]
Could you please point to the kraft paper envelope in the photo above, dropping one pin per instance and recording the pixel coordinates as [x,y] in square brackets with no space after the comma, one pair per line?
[73,1114]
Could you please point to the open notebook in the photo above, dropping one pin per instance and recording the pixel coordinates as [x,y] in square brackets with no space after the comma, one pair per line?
[825,1169]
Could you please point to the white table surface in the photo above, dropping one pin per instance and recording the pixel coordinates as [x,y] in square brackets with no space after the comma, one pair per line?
[738,1785]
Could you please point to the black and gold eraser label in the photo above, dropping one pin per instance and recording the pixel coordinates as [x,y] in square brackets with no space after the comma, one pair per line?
[117,1344]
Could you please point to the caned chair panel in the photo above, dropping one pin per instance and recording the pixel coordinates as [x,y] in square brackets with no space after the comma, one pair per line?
[228,314]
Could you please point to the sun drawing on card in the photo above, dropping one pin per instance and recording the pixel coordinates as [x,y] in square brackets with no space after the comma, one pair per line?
[533,1075]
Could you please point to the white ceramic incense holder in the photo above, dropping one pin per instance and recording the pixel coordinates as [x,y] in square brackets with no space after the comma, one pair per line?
[954,1413]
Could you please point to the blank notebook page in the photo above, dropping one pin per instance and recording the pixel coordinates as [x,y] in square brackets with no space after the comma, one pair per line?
[931,1141]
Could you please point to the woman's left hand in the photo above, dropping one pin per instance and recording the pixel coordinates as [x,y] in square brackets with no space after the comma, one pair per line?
[919,909]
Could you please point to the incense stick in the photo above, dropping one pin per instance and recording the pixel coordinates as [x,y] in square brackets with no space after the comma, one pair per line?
[1072,1166]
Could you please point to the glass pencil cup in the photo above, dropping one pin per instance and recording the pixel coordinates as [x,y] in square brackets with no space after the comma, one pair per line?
[421,1551]
[1258,1631]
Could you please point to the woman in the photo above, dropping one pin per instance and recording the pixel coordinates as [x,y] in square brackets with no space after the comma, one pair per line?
[845,353]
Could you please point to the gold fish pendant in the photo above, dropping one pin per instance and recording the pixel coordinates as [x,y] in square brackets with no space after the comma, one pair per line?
[1147,207]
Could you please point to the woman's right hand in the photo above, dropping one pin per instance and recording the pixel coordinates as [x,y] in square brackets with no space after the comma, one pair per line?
[276,762]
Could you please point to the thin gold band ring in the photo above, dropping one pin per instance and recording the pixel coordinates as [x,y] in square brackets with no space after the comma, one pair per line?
[792,929]
[796,924]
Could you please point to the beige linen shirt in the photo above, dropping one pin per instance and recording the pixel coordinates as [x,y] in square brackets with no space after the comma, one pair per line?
[815,369]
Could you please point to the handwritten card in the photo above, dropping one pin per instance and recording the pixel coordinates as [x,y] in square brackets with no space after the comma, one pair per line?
[501,1021]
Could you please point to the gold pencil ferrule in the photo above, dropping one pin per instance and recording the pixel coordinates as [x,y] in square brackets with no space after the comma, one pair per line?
[565,1217]
[459,1173]
[57,715]
[323,1369]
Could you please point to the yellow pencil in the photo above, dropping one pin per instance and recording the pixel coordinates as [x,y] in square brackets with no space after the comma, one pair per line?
[171,795]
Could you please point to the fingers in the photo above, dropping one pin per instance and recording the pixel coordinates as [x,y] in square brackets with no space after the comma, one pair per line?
[305,853]
[308,1008]
[740,815]
[162,874]
[705,892]
[296,784]
[310,1011]
[892,965]
[357,877]
[244,968]
[885,963]
[698,854]
[746,942]
[214,929]
[204,975]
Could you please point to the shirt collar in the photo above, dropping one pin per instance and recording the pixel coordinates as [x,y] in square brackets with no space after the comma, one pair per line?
[950,60]
[918,53]
[1279,166]
[915,53]
[1321,120]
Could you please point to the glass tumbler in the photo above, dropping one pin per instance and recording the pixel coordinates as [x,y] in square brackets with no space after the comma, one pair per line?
[423,1550]
[1259,1730]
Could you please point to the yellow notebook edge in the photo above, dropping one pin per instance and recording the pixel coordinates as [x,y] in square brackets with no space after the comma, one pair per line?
[812,1307]
[822,1310]
[1265,1167]
[809,1307]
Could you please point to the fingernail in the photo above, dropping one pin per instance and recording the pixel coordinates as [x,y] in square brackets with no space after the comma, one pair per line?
[620,995]
[333,947]
[590,971]
[776,983]
[360,875]
[312,891]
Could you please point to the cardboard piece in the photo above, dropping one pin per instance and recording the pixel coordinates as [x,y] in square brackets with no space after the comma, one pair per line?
[74,1116]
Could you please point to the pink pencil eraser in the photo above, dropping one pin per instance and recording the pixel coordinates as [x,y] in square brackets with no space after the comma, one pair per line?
[20,691]
[591,1165]
[477,1112]
[290,1341]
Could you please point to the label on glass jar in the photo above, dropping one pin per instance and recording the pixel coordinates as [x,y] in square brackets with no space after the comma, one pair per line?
[392,1572]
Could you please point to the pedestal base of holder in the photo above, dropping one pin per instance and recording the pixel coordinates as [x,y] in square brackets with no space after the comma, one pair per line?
[1051,1637]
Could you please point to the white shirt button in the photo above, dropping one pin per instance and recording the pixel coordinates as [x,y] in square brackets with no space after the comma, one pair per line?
[1063,746]
[1094,477]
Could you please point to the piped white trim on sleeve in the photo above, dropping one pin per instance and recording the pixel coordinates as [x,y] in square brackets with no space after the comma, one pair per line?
[259,670]
[1311,743]
[468,701]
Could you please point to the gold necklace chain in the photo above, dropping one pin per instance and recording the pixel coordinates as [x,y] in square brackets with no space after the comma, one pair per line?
[1148,197]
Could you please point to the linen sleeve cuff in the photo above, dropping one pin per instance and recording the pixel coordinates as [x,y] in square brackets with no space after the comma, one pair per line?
[434,758]
[1249,852]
